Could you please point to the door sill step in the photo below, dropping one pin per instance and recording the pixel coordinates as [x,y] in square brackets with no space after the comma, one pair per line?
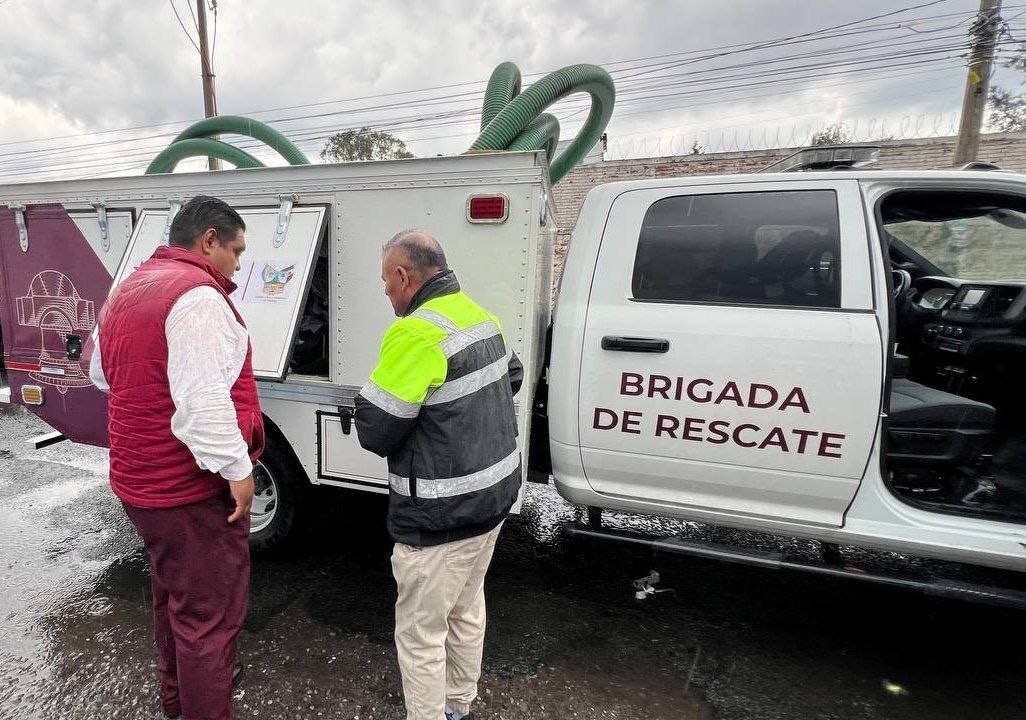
[935,586]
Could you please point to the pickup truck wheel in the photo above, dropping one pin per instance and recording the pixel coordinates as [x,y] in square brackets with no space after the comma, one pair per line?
[280,489]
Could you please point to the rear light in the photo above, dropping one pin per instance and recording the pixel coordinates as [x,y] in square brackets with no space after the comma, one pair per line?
[32,395]
[488,208]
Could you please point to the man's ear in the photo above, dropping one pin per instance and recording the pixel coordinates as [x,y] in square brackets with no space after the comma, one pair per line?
[209,239]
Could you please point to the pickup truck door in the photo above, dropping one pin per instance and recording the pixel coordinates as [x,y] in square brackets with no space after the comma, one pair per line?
[55,271]
[732,357]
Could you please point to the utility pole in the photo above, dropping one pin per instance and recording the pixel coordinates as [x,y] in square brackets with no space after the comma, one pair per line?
[982,40]
[209,97]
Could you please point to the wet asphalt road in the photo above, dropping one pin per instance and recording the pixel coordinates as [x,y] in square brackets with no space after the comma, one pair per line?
[567,638]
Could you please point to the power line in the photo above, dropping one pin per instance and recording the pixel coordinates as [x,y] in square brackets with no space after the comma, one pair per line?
[184,29]
[213,48]
[317,136]
[765,44]
[452,117]
[195,22]
[826,30]
[625,93]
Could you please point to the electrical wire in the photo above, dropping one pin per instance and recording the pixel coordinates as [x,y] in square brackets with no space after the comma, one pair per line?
[609,64]
[632,93]
[450,118]
[213,45]
[184,29]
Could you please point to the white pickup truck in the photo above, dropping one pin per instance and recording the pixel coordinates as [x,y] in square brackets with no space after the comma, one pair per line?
[829,355]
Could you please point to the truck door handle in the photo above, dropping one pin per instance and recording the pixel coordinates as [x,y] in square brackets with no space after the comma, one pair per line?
[635,344]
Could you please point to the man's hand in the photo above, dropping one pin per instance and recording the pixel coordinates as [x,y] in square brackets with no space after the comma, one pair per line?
[242,494]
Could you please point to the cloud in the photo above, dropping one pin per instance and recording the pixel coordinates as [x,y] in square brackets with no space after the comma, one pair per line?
[70,66]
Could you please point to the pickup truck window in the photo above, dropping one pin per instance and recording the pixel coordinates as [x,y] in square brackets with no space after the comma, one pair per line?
[966,235]
[754,248]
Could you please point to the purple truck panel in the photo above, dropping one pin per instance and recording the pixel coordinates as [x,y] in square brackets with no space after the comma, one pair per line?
[54,290]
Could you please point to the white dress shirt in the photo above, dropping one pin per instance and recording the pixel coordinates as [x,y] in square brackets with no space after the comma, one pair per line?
[206,348]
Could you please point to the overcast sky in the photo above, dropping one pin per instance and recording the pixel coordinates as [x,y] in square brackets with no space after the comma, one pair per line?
[70,67]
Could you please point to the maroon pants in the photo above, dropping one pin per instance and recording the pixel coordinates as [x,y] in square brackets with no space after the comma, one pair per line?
[199,571]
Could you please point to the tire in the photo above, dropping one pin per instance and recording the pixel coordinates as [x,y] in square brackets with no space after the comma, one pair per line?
[279,500]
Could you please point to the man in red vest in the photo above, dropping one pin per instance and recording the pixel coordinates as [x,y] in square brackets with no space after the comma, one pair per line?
[185,427]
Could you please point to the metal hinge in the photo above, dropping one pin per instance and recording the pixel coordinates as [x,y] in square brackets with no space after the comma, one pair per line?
[101,219]
[284,215]
[19,220]
[174,207]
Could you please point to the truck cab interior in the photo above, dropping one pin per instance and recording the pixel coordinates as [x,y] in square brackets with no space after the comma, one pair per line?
[956,422]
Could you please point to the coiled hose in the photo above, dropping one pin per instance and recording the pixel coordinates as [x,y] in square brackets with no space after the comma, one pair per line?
[196,141]
[510,120]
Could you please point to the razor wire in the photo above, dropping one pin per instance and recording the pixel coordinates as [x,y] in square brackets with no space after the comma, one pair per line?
[755,138]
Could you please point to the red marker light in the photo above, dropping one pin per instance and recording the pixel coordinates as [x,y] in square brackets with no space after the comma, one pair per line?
[487,208]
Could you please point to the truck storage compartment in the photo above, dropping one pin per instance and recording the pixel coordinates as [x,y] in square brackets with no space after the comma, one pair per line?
[274,281]
[311,346]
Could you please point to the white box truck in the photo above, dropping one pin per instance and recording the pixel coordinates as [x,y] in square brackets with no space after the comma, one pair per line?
[828,355]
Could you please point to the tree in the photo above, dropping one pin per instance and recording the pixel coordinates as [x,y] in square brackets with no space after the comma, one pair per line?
[696,149]
[1007,111]
[364,144]
[836,134]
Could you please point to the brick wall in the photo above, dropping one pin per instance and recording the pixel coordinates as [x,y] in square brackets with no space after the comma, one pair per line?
[1007,150]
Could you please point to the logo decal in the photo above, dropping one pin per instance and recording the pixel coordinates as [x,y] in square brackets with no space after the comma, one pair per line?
[54,306]
[276,280]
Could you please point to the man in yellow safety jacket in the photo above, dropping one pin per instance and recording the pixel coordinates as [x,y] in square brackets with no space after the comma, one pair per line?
[439,406]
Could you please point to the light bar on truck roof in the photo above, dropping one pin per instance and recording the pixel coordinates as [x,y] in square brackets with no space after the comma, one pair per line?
[840,157]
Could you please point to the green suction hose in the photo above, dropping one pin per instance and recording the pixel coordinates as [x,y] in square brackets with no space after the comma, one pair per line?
[510,120]
[515,121]
[503,86]
[200,147]
[195,141]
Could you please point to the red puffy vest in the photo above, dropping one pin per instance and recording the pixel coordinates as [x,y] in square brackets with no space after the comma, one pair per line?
[149,466]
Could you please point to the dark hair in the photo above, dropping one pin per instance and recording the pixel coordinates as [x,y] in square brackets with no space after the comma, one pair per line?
[424,252]
[199,215]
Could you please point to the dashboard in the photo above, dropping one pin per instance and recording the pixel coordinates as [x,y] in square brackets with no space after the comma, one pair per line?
[955,314]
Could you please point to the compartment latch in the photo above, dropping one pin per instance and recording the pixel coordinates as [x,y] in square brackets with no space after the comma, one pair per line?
[19,220]
[101,219]
[284,215]
[175,206]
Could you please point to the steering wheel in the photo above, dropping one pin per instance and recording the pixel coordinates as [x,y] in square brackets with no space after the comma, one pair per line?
[902,282]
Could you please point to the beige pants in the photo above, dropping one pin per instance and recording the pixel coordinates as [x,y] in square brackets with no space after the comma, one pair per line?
[440,623]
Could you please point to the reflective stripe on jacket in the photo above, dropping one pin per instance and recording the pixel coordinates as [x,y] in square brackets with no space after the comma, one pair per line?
[439,406]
